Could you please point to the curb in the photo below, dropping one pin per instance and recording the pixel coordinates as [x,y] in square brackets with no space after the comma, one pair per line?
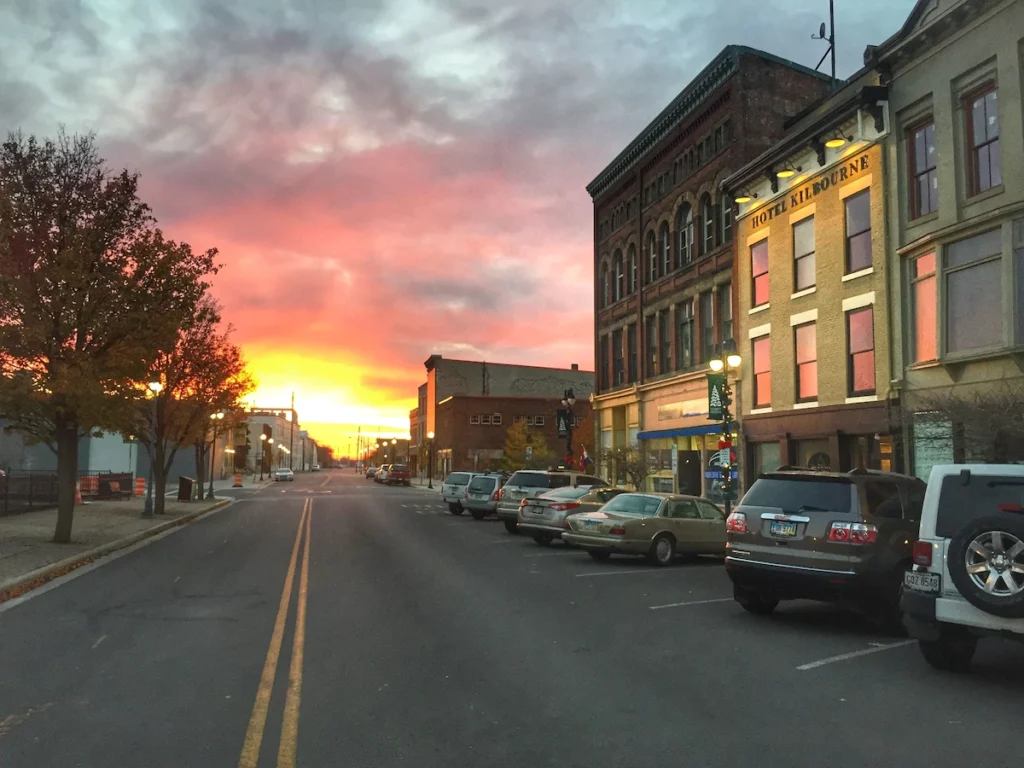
[26,582]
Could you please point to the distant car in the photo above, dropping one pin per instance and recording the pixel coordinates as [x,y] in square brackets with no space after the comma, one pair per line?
[543,516]
[535,481]
[656,525]
[371,472]
[398,474]
[453,490]
[315,468]
[382,473]
[283,474]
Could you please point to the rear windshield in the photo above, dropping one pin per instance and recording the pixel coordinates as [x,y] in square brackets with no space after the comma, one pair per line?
[457,478]
[793,495]
[538,480]
[566,493]
[983,496]
[633,504]
[482,483]
[399,468]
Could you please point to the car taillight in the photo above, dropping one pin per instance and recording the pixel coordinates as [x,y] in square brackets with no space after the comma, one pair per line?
[560,507]
[522,503]
[922,553]
[618,530]
[736,523]
[465,493]
[496,495]
[501,493]
[852,533]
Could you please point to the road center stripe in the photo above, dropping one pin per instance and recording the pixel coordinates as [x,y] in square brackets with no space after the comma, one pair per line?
[288,747]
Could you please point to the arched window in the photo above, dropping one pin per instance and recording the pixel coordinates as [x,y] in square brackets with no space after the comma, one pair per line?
[652,258]
[631,273]
[707,216]
[684,235]
[619,289]
[602,299]
[726,219]
[666,249]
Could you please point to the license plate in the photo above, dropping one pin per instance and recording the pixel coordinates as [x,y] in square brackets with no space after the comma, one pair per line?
[779,528]
[922,582]
[589,523]
[536,510]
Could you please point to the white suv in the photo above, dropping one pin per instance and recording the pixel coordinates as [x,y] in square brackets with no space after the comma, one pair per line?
[967,580]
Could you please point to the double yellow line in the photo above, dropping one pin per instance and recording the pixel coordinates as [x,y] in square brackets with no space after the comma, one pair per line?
[286,751]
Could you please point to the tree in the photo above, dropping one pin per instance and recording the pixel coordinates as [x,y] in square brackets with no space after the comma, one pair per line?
[518,438]
[202,373]
[89,291]
[626,465]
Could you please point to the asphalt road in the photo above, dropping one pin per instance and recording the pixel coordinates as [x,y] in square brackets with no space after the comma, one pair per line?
[412,637]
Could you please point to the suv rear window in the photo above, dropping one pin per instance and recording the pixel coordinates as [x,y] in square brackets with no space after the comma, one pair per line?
[959,504]
[538,480]
[399,468]
[791,494]
[457,478]
[482,483]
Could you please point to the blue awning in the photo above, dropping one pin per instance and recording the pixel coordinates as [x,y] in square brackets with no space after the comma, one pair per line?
[709,429]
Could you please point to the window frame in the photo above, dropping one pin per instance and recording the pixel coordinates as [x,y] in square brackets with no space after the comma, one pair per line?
[652,258]
[849,237]
[915,280]
[651,348]
[474,418]
[632,276]
[666,249]
[707,223]
[850,354]
[685,316]
[754,343]
[913,176]
[944,300]
[618,358]
[798,364]
[725,300]
[632,338]
[754,277]
[684,230]
[971,148]
[812,254]
[619,276]
[708,344]
[725,232]
[664,341]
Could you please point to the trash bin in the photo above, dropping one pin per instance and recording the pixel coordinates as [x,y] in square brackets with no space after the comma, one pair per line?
[185,487]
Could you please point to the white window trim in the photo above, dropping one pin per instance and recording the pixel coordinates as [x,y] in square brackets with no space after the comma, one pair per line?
[862,399]
[759,411]
[857,302]
[858,273]
[496,420]
[803,213]
[810,316]
[538,421]
[759,308]
[758,331]
[862,183]
[758,236]
[804,292]
[802,406]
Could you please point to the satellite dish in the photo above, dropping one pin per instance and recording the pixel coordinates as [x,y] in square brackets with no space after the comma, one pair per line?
[821,31]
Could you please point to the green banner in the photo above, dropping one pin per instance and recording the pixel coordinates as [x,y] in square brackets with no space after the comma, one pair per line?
[716,386]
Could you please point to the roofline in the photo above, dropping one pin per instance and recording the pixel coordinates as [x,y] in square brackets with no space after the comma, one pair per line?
[720,69]
[509,397]
[873,53]
[433,358]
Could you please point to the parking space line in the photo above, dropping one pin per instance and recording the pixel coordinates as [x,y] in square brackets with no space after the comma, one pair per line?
[560,553]
[692,602]
[620,573]
[854,654]
[503,541]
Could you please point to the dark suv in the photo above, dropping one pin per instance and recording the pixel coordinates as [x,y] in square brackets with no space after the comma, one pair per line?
[833,536]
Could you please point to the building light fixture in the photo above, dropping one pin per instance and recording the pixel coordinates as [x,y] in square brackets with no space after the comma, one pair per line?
[787,171]
[744,197]
[837,141]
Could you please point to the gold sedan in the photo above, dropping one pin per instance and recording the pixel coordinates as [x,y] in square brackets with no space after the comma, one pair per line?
[656,525]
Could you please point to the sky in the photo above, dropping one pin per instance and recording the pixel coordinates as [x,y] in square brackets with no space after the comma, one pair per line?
[385,180]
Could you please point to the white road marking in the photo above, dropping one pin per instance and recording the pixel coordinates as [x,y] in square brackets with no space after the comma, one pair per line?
[620,573]
[561,553]
[405,506]
[177,579]
[692,602]
[503,541]
[844,656]
[102,638]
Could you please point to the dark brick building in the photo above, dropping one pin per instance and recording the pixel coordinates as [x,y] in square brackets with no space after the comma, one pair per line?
[663,254]
[471,429]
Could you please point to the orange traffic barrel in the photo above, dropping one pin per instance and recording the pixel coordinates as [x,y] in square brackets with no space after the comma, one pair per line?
[238,480]
[78,493]
[140,486]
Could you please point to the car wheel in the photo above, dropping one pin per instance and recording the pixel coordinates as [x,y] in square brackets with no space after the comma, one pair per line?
[887,612]
[754,602]
[986,563]
[543,538]
[455,509]
[599,555]
[478,514]
[662,551]
[952,652]
[512,526]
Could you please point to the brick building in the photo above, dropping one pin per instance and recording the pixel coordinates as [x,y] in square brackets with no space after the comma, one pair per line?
[663,255]
[811,274]
[471,429]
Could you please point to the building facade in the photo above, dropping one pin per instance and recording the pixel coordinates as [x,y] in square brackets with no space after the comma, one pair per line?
[956,221]
[663,258]
[811,276]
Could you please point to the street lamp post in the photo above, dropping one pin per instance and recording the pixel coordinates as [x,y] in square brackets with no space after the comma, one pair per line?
[568,401]
[147,507]
[263,451]
[217,418]
[430,460]
[731,362]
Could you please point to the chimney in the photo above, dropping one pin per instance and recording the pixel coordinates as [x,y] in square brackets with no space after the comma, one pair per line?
[575,366]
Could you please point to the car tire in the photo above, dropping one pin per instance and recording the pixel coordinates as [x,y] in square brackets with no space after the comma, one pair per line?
[512,526]
[952,652]
[478,514]
[1007,601]
[543,539]
[599,555]
[455,509]
[662,551]
[754,602]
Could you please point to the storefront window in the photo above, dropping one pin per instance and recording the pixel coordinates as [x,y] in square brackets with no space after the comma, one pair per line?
[933,444]
[767,457]
[814,453]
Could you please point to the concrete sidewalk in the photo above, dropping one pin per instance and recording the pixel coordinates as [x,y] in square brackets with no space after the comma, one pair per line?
[421,483]
[27,551]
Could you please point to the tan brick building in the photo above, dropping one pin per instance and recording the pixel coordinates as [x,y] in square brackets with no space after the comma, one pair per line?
[663,258]
[811,274]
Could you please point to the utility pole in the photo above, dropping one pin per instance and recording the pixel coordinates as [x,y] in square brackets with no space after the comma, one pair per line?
[291,434]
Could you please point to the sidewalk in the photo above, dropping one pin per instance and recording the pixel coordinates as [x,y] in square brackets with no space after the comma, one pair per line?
[220,485]
[28,552]
[421,483]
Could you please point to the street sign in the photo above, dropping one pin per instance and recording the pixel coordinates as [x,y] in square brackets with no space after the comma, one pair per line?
[716,387]
[716,474]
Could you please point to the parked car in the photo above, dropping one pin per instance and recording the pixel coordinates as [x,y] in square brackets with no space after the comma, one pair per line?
[382,473]
[832,536]
[371,472]
[527,482]
[967,580]
[543,516]
[283,474]
[481,495]
[315,468]
[658,526]
[398,474]
[453,490]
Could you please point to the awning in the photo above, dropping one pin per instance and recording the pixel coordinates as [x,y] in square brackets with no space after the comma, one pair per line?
[709,429]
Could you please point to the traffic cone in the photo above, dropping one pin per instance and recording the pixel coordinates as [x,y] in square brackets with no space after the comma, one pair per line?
[238,480]
[78,493]
[140,486]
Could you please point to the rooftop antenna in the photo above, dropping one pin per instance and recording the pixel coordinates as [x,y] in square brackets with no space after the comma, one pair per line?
[831,39]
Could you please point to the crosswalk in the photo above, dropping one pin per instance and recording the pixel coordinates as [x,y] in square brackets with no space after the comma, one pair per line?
[428,509]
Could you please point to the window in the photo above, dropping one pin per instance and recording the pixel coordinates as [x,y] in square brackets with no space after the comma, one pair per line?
[759,272]
[726,229]
[474,419]
[762,372]
[684,339]
[631,352]
[684,235]
[652,258]
[707,326]
[666,250]
[602,361]
[883,499]
[974,308]
[631,270]
[860,338]
[725,312]
[529,421]
[923,296]
[661,186]
[620,278]
[858,231]
[707,214]
[718,139]
[538,421]
[518,419]
[618,362]
[984,160]
[603,287]
[924,179]
[485,419]
[803,254]
[806,342]
[665,340]
[652,345]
